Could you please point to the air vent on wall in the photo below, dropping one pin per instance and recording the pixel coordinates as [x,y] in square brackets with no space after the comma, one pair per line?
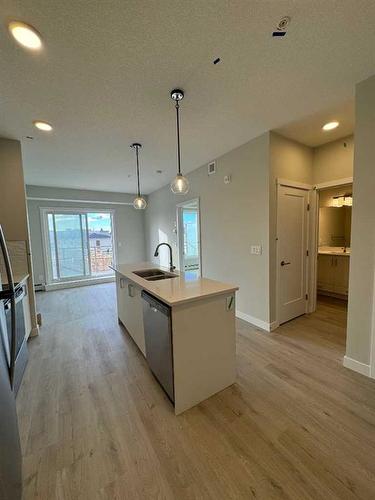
[211,168]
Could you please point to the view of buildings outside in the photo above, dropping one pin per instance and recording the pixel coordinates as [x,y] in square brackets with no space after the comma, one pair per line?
[81,244]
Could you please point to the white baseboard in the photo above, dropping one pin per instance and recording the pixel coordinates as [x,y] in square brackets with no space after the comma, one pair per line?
[255,321]
[74,284]
[357,366]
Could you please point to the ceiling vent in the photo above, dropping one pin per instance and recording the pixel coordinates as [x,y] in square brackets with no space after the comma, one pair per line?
[211,169]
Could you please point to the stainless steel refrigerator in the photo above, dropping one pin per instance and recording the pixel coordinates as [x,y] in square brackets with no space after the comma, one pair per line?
[10,449]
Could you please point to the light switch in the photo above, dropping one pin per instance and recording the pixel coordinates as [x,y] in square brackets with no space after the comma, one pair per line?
[256,249]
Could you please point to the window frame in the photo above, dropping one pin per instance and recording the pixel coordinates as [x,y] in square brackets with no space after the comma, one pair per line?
[44,211]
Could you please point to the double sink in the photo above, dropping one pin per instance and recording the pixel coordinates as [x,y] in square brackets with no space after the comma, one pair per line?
[154,274]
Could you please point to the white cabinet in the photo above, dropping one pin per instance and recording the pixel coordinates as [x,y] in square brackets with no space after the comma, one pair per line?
[333,274]
[130,309]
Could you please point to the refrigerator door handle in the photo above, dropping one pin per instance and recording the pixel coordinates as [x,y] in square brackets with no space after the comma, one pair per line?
[8,269]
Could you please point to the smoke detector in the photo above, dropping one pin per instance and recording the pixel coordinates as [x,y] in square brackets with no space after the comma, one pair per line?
[282,26]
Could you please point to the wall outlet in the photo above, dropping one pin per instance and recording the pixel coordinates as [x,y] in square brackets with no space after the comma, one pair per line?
[256,249]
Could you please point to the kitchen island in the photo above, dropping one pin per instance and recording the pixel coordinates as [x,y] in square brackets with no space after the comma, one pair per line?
[201,332]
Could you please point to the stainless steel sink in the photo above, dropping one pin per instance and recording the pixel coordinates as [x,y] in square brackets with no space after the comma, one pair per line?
[154,274]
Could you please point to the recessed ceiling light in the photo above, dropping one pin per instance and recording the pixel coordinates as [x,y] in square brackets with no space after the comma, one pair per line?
[330,125]
[46,127]
[25,35]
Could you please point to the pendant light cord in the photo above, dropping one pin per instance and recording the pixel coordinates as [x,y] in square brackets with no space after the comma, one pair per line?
[139,189]
[178,137]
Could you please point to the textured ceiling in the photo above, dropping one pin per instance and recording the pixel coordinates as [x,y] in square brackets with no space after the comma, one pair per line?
[104,76]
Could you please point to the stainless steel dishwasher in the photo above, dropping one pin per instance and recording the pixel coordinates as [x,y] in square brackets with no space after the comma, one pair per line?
[158,340]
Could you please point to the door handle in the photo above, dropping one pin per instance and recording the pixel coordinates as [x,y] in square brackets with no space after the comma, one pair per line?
[283,263]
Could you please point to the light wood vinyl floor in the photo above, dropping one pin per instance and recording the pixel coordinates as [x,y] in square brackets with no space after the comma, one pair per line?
[95,424]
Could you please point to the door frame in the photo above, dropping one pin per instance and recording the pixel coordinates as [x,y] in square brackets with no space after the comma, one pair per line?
[180,233]
[315,220]
[310,200]
[46,245]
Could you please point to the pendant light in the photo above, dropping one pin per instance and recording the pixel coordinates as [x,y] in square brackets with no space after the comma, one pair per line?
[180,184]
[139,202]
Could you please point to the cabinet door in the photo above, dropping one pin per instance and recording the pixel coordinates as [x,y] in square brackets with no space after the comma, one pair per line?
[342,275]
[121,299]
[325,273]
[130,310]
[135,316]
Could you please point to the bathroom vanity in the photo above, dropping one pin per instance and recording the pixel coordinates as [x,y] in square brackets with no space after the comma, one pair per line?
[184,327]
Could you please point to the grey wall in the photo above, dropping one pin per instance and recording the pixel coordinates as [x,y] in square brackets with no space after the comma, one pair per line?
[362,263]
[233,217]
[129,223]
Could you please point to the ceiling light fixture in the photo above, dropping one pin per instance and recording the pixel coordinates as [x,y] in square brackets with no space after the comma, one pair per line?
[139,202]
[180,184]
[41,125]
[25,35]
[330,125]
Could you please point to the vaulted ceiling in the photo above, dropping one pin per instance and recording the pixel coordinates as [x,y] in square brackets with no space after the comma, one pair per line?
[104,75]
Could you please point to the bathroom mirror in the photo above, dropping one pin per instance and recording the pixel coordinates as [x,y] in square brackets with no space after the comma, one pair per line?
[334,226]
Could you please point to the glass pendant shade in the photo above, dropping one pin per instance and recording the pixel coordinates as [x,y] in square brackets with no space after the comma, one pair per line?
[139,203]
[180,184]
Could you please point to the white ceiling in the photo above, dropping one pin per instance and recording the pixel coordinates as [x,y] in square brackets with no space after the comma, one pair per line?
[104,76]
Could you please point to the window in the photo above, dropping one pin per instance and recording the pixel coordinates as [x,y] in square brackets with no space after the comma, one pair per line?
[189,238]
[79,244]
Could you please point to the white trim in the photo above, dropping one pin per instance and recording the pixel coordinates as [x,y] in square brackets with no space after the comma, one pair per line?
[357,366]
[83,282]
[288,183]
[372,351]
[338,182]
[263,325]
[44,211]
[96,202]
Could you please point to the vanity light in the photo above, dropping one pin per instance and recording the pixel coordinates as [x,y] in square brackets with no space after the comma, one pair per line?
[45,126]
[348,200]
[180,184]
[139,202]
[330,125]
[25,35]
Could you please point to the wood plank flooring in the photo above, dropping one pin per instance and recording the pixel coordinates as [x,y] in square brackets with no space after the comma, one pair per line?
[95,424]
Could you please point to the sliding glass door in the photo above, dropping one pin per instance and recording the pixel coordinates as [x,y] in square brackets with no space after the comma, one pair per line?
[79,244]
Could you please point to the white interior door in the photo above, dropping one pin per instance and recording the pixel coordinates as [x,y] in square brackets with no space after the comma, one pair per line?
[292,252]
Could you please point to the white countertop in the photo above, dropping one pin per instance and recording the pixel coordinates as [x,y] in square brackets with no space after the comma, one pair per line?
[174,291]
[338,251]
[18,278]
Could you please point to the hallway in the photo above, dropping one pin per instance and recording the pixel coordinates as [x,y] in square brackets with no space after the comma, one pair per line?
[296,425]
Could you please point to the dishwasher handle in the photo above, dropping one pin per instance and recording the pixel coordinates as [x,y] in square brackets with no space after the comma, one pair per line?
[155,304]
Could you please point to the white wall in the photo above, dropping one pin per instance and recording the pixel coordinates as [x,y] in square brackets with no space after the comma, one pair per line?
[13,213]
[334,161]
[294,162]
[362,265]
[129,223]
[233,217]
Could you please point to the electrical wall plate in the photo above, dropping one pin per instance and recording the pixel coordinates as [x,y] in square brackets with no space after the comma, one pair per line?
[227,179]
[211,168]
[256,249]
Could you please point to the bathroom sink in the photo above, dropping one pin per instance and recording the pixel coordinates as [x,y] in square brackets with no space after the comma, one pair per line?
[154,274]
